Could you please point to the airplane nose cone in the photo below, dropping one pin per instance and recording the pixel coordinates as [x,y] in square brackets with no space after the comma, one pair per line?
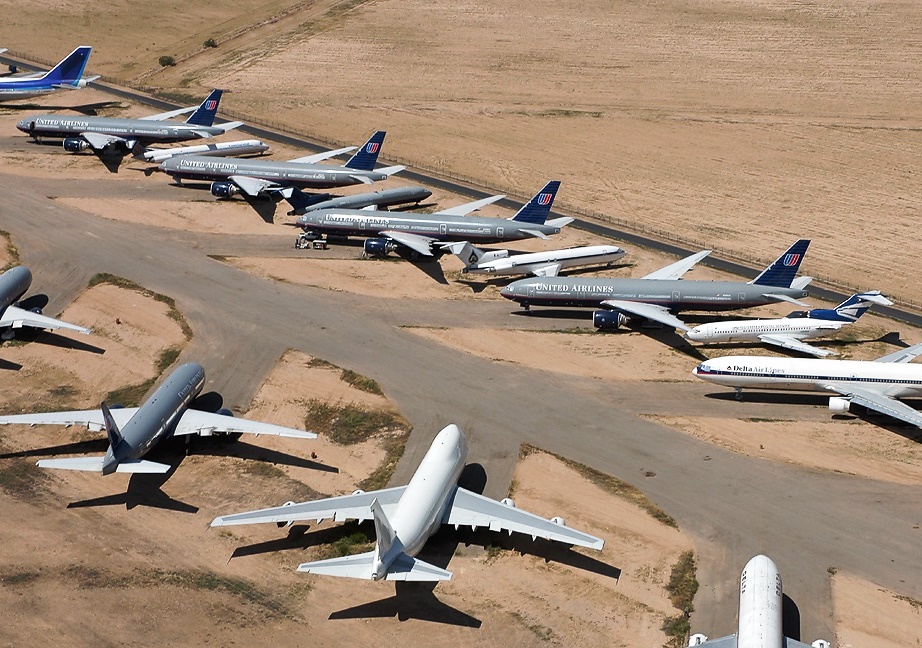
[508,292]
[693,334]
[23,126]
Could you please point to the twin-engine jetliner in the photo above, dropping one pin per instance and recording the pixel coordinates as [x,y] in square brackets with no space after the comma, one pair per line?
[267,178]
[116,133]
[874,384]
[406,516]
[759,612]
[13,284]
[789,332]
[303,203]
[658,296]
[237,147]
[540,264]
[133,431]
[419,232]
[66,75]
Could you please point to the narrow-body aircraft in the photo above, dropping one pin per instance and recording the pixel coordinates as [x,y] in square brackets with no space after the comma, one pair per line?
[540,264]
[406,516]
[658,296]
[873,384]
[133,431]
[13,285]
[760,623]
[790,332]
[117,133]
[66,75]
[237,147]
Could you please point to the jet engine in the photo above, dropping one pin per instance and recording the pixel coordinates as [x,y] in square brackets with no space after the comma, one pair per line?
[697,639]
[76,144]
[224,189]
[839,405]
[379,247]
[608,320]
[508,501]
[559,521]
[282,525]
[36,310]
[358,492]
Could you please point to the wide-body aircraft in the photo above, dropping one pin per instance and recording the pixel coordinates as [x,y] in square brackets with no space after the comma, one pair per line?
[302,203]
[790,332]
[406,516]
[658,296]
[540,264]
[117,133]
[873,384]
[760,622]
[133,431]
[66,75]
[13,285]
[271,178]
[419,233]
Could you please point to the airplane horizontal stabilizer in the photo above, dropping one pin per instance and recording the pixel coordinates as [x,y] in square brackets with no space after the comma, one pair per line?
[391,170]
[407,568]
[563,221]
[785,298]
[227,126]
[94,464]
[404,568]
[535,233]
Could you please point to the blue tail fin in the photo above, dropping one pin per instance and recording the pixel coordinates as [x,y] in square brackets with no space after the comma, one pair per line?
[301,201]
[537,209]
[851,309]
[782,272]
[204,115]
[70,70]
[114,434]
[367,156]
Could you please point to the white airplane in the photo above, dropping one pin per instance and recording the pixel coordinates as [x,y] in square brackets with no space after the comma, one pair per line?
[789,332]
[874,384]
[66,75]
[540,264]
[406,516]
[238,147]
[759,612]
[13,285]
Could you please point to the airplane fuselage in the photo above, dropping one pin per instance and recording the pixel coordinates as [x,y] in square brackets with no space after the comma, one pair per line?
[141,130]
[760,605]
[528,263]
[24,90]
[799,327]
[242,147]
[13,284]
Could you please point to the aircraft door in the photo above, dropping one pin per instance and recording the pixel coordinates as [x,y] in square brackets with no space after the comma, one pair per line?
[676,296]
[531,291]
[742,298]
[500,232]
[443,228]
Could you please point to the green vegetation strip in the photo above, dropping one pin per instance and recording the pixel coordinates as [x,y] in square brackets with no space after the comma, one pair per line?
[608,483]
[173,313]
[348,376]
[11,249]
[682,587]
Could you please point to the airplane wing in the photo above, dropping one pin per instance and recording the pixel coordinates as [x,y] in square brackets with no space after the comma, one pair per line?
[252,186]
[792,343]
[421,244]
[647,311]
[784,298]
[206,424]
[679,268]
[345,507]
[467,208]
[168,115]
[15,317]
[549,270]
[473,510]
[100,141]
[879,403]
[91,419]
[320,157]
[404,568]
[903,355]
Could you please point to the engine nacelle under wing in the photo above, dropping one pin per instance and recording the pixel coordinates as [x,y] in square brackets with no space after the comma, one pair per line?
[379,247]
[839,405]
[76,144]
[224,189]
[608,320]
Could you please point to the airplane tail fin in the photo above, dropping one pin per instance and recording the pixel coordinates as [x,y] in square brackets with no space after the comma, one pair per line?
[781,273]
[852,308]
[204,115]
[70,70]
[114,434]
[366,157]
[384,532]
[300,201]
[468,254]
[537,209]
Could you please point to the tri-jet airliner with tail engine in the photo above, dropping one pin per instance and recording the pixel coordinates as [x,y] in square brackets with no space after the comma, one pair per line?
[302,203]
[13,285]
[406,516]
[133,431]
[237,147]
[420,232]
[66,75]
[120,134]
[540,264]
[791,331]
[274,179]
[873,384]
[658,296]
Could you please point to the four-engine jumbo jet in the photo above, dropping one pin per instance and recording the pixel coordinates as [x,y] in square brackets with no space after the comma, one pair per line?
[66,75]
[406,516]
[789,332]
[133,431]
[116,133]
[658,296]
[267,178]
[13,284]
[759,612]
[874,384]
[540,264]
[419,232]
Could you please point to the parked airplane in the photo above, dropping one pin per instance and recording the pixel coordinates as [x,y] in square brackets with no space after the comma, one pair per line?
[419,232]
[540,264]
[657,296]
[303,203]
[406,516]
[66,75]
[266,178]
[13,285]
[759,612]
[133,431]
[789,332]
[237,147]
[873,384]
[116,133]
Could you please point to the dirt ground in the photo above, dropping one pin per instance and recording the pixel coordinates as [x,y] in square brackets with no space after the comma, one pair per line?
[868,615]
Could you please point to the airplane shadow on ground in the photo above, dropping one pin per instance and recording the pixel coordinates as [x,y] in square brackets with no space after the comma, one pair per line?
[790,618]
[84,109]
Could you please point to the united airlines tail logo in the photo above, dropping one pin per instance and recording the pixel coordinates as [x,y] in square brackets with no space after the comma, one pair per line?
[791,259]
[372,147]
[545,198]
[211,104]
